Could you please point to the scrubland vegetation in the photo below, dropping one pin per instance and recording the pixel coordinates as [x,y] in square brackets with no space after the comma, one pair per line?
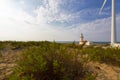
[109,55]
[54,61]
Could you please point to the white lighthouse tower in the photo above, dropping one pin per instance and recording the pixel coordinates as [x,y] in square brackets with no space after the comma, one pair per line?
[81,38]
[82,41]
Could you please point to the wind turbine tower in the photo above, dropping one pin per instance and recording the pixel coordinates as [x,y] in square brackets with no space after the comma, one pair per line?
[113,22]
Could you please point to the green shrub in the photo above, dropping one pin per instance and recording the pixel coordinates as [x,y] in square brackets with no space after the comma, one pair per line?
[2,46]
[49,61]
[109,55]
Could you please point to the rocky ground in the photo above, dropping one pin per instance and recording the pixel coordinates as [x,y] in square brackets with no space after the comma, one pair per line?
[101,70]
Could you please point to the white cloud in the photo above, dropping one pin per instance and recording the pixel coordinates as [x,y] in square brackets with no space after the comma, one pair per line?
[51,11]
[22,2]
[19,25]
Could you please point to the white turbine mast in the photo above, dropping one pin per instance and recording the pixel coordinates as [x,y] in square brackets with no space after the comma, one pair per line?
[113,21]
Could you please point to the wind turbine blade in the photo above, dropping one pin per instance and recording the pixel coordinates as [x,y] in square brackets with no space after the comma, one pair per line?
[102,6]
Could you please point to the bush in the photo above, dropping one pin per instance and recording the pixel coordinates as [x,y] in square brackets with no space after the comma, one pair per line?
[110,55]
[50,61]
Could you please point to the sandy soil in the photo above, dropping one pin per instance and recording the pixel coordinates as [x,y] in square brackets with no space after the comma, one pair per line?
[104,71]
[7,63]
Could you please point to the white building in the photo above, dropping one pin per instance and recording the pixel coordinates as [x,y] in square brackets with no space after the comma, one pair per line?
[82,41]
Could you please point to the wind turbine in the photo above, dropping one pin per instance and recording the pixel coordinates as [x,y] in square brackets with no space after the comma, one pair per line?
[113,21]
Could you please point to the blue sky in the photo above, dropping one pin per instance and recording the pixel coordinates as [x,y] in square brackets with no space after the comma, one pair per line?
[60,20]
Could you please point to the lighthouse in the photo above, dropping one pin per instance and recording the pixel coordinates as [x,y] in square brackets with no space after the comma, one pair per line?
[81,38]
[82,41]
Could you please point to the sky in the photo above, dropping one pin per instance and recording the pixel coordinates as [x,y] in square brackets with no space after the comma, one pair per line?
[59,20]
